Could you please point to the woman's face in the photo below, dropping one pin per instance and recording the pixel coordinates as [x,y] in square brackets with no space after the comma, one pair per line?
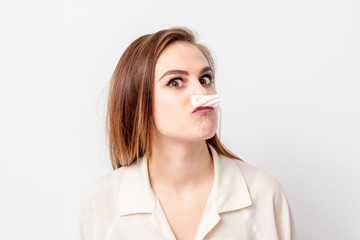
[181,71]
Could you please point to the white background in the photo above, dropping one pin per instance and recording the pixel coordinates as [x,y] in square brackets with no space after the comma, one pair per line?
[288,73]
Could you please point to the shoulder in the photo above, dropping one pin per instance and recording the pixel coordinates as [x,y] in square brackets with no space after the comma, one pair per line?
[104,187]
[99,203]
[99,199]
[270,210]
[258,180]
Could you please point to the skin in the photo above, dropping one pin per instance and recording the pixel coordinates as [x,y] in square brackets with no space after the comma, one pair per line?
[181,168]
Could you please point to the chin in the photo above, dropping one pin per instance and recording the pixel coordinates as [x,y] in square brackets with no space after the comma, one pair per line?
[206,135]
[211,135]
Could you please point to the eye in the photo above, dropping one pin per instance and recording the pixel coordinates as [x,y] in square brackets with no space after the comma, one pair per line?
[175,82]
[206,79]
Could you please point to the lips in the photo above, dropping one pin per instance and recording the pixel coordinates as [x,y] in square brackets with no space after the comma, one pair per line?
[202,108]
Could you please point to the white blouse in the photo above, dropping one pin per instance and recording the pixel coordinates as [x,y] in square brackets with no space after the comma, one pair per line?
[245,203]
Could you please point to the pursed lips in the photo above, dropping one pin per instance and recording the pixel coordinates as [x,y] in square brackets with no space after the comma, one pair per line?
[201,108]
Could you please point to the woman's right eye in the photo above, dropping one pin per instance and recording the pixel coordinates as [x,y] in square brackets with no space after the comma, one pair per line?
[176,82]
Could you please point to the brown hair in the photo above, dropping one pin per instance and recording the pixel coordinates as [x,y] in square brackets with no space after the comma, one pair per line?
[129,111]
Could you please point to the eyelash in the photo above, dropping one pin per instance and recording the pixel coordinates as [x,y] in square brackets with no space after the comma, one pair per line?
[210,76]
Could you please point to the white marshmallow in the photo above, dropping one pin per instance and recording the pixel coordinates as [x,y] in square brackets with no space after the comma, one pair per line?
[205,100]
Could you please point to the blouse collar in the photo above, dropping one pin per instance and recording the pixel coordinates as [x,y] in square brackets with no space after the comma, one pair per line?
[229,192]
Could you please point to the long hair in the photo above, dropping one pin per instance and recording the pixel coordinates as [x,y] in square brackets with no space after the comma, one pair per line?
[129,112]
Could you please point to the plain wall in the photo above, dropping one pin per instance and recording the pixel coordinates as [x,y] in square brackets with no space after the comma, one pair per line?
[287,71]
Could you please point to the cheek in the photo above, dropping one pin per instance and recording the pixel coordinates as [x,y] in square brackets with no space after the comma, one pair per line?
[168,109]
[164,103]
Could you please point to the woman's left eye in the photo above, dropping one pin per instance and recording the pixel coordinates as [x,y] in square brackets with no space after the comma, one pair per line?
[206,79]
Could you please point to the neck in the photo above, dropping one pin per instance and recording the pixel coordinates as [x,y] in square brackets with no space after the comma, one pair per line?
[180,166]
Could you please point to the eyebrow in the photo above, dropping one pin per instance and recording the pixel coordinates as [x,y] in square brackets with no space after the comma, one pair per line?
[182,72]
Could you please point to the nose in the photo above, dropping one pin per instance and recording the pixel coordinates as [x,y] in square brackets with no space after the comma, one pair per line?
[198,89]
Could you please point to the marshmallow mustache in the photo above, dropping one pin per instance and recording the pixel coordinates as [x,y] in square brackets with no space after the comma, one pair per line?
[205,100]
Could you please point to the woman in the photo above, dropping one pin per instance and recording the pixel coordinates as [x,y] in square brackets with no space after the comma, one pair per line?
[173,178]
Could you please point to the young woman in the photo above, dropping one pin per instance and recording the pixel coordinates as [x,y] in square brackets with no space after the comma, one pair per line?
[173,178]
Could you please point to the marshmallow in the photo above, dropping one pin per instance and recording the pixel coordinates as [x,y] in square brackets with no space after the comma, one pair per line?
[205,100]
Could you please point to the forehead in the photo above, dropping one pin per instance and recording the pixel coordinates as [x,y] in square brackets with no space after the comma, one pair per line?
[180,56]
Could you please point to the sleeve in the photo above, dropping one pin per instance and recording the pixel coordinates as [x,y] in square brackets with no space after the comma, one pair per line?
[283,217]
[85,219]
[271,211]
